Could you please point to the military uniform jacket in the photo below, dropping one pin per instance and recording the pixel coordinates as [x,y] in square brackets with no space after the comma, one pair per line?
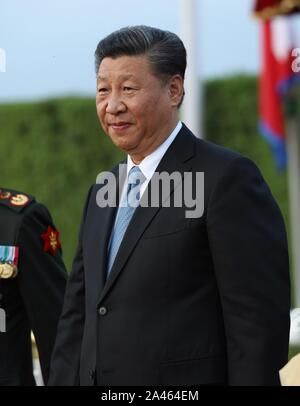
[32,300]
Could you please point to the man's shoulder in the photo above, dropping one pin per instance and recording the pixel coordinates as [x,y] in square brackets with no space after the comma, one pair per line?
[207,153]
[15,201]
[216,161]
[216,153]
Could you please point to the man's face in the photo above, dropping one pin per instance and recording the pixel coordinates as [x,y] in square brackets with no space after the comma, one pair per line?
[134,107]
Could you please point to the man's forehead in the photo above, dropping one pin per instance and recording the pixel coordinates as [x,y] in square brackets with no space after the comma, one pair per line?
[124,66]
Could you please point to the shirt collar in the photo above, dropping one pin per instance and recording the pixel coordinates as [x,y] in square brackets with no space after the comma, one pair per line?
[151,162]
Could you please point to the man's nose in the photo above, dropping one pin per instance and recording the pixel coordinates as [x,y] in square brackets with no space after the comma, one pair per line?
[115,105]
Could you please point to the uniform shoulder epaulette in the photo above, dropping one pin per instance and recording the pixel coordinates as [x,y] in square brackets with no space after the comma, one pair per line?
[15,200]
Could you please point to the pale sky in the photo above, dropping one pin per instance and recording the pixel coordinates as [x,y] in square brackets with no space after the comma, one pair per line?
[50,45]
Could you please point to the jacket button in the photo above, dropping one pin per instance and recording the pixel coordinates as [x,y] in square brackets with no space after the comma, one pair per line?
[92,374]
[102,311]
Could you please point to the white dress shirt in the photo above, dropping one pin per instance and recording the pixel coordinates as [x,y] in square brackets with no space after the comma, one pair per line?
[149,164]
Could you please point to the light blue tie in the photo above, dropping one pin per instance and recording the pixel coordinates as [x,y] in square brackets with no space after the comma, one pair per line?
[126,210]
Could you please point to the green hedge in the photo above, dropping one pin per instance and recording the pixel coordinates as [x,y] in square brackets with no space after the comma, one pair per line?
[55,149]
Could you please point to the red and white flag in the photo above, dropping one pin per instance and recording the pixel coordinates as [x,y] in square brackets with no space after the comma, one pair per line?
[276,79]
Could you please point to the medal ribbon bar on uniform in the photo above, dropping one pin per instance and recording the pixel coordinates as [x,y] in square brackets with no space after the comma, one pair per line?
[9,257]
[9,254]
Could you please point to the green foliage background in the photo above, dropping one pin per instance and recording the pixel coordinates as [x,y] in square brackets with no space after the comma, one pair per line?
[54,149]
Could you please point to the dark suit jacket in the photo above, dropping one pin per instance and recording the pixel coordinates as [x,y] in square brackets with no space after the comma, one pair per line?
[188,301]
[33,299]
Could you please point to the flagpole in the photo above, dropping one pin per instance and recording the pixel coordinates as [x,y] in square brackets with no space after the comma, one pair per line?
[192,106]
[293,149]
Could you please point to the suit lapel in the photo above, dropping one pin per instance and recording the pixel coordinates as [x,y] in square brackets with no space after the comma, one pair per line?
[175,160]
[100,225]
[100,231]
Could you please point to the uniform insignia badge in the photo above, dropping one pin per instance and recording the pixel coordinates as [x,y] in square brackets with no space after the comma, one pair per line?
[19,200]
[4,195]
[51,240]
[14,200]
[8,262]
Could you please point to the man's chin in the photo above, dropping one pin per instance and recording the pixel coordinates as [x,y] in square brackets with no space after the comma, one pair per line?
[123,143]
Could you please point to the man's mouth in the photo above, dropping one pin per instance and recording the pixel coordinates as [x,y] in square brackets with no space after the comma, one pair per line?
[120,126]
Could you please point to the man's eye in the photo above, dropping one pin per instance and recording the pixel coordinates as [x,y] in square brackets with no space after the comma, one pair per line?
[102,90]
[127,89]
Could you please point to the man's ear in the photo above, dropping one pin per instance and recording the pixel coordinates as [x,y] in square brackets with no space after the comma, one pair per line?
[176,90]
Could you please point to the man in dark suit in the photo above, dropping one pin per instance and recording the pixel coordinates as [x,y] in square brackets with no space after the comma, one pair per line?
[158,296]
[32,284]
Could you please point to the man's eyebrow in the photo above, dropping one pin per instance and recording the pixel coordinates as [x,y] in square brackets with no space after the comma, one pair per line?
[122,77]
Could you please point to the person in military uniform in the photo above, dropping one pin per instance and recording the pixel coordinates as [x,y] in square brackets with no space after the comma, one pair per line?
[32,285]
